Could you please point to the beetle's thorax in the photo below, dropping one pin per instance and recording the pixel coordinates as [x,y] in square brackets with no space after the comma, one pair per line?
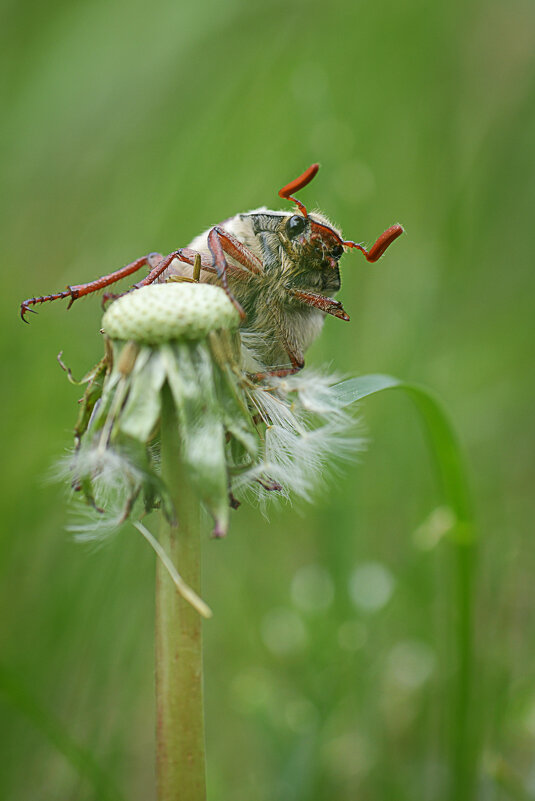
[274,318]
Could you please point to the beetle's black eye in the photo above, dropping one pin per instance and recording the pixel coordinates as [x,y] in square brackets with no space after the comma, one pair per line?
[295,226]
[337,251]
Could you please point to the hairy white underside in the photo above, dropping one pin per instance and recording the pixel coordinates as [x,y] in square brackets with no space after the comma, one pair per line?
[261,349]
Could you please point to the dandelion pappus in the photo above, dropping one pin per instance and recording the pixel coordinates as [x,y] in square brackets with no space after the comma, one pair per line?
[278,268]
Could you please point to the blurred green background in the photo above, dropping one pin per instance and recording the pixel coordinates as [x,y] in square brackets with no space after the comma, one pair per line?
[128,128]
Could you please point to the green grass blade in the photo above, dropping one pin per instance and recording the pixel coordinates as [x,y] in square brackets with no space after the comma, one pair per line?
[448,457]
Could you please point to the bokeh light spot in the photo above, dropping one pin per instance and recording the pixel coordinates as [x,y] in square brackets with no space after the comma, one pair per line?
[312,588]
[371,586]
[410,664]
[283,631]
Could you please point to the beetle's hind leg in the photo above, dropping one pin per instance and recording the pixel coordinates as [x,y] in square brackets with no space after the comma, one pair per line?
[153,259]
[79,290]
[26,305]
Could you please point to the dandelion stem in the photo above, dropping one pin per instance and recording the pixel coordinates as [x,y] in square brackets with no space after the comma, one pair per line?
[179,692]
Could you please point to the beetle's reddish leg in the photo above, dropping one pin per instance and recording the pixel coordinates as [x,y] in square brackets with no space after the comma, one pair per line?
[25,306]
[327,305]
[157,270]
[277,373]
[292,349]
[294,186]
[215,246]
[296,358]
[152,260]
[188,256]
[382,243]
[79,290]
[237,250]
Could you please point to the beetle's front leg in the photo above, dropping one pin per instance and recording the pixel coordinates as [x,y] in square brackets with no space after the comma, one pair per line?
[232,246]
[288,343]
[219,242]
[297,361]
[327,305]
[282,373]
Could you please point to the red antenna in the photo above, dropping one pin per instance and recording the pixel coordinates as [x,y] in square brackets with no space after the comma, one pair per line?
[382,243]
[376,250]
[294,186]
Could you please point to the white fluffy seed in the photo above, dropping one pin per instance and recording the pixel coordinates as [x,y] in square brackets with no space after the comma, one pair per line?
[163,312]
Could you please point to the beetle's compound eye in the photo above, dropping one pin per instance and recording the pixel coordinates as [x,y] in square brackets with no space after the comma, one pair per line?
[295,226]
[337,251]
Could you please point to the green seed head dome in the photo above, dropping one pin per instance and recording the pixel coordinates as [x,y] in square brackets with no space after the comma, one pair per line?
[163,312]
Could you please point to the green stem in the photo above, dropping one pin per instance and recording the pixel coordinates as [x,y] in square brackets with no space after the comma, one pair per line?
[448,457]
[179,692]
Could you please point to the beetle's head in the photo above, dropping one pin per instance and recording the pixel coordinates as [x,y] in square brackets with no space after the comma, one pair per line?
[313,248]
[318,235]
[312,239]
[306,249]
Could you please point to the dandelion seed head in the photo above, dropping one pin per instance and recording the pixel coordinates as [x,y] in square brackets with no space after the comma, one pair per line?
[277,437]
[114,480]
[163,312]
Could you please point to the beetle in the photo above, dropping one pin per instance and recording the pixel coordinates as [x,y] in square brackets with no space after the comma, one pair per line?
[279,269]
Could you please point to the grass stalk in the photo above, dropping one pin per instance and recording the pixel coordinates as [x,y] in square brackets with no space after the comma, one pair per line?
[180,760]
[463,746]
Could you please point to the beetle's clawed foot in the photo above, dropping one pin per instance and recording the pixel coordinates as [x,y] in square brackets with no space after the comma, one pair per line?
[24,307]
